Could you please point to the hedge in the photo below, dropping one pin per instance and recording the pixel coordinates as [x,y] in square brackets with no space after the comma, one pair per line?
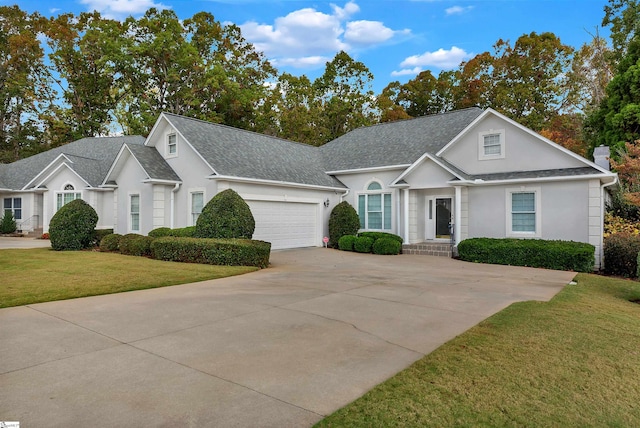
[621,254]
[110,242]
[98,234]
[378,235]
[225,252]
[182,232]
[363,244]
[133,244]
[386,246]
[345,243]
[558,255]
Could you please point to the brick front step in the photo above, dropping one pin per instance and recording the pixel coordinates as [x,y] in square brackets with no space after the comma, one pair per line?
[441,249]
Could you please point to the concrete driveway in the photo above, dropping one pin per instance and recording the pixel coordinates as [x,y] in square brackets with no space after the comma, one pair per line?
[7,242]
[280,347]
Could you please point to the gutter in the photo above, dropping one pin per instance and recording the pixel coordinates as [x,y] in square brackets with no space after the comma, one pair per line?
[173,203]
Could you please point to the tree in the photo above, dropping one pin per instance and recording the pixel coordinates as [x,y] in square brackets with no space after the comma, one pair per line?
[345,93]
[23,84]
[623,18]
[566,130]
[628,169]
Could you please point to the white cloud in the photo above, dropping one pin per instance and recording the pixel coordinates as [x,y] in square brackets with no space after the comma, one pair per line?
[117,9]
[407,72]
[458,10]
[307,37]
[442,59]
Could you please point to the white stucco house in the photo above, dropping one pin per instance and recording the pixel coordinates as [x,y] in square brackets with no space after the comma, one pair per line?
[452,176]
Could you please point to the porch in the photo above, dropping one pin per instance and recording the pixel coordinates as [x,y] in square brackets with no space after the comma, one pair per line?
[442,249]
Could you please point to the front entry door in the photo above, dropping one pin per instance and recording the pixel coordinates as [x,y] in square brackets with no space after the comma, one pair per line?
[443,218]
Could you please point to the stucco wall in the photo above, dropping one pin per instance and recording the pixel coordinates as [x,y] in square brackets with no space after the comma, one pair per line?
[523,152]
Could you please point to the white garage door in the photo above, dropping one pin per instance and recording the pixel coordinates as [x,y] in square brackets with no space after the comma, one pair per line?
[285,224]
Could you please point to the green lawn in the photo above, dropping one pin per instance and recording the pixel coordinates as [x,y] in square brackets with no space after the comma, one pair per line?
[43,275]
[574,361]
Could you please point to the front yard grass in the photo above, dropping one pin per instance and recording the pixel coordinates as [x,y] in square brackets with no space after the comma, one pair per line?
[574,361]
[42,275]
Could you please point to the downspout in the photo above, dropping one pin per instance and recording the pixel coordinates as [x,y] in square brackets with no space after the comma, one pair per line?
[602,186]
[406,215]
[344,195]
[173,203]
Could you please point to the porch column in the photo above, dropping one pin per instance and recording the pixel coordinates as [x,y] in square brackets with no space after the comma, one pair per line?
[457,231]
[405,194]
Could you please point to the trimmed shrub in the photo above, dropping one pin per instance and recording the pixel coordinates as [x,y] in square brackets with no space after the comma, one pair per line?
[98,234]
[110,242]
[226,216]
[621,254]
[8,223]
[345,243]
[343,220]
[539,253]
[133,244]
[73,226]
[182,232]
[225,252]
[379,235]
[362,244]
[386,246]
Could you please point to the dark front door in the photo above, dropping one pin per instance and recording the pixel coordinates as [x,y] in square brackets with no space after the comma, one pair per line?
[443,217]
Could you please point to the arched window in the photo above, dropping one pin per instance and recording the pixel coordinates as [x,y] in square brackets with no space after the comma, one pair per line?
[374,207]
[67,195]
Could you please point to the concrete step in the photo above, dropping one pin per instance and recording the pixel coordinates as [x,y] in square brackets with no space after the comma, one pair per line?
[442,249]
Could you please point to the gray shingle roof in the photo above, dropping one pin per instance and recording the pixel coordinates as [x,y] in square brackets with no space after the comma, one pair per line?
[562,172]
[395,143]
[153,163]
[246,154]
[91,159]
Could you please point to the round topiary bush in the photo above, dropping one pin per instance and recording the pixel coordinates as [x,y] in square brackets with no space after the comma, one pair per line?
[345,243]
[362,244]
[226,215]
[110,242]
[343,220]
[386,246]
[72,227]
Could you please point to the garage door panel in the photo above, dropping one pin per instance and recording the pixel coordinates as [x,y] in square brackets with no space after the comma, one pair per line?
[285,224]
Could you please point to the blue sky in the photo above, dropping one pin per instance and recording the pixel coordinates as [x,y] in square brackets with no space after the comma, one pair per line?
[395,39]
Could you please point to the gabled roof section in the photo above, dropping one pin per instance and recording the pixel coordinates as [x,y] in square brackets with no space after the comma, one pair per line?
[233,152]
[90,158]
[152,162]
[395,143]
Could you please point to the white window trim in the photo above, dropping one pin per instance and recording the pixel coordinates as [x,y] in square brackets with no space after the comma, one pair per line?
[366,193]
[13,207]
[481,135]
[168,153]
[129,225]
[538,195]
[64,192]
[190,202]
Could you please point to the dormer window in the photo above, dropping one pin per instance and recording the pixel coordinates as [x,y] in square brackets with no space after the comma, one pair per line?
[172,145]
[491,145]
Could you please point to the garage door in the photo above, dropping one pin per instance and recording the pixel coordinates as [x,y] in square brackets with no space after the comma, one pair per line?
[285,224]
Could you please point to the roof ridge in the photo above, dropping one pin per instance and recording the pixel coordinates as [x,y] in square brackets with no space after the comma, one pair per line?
[239,129]
[421,117]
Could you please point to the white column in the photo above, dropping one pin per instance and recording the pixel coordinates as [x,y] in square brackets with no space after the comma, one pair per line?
[457,209]
[405,237]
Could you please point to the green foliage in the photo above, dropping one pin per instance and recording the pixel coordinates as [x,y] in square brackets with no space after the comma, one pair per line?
[8,223]
[345,243]
[378,235]
[638,266]
[98,234]
[226,216]
[386,246]
[224,252]
[621,254]
[133,244]
[619,206]
[110,242]
[558,255]
[343,220]
[73,226]
[182,232]
[363,244]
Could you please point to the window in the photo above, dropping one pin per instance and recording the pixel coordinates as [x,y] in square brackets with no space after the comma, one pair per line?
[374,208]
[524,212]
[134,213]
[69,194]
[14,206]
[172,145]
[491,145]
[197,202]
